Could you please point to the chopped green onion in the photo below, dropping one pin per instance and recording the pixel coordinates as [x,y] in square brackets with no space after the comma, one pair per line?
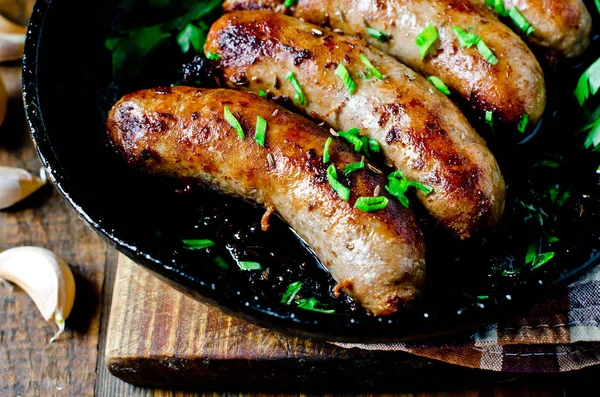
[369,204]
[489,118]
[291,292]
[397,174]
[426,39]
[542,259]
[220,262]
[326,150]
[353,137]
[262,94]
[483,297]
[466,39]
[397,188]
[371,70]
[247,265]
[439,84]
[531,253]
[299,97]
[487,54]
[261,130]
[354,167]
[311,304]
[523,123]
[212,56]
[197,244]
[378,34]
[498,5]
[374,145]
[289,3]
[421,186]
[234,123]
[343,74]
[340,189]
[588,82]
[521,22]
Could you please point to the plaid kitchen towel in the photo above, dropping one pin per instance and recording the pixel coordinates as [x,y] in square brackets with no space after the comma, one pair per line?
[562,334]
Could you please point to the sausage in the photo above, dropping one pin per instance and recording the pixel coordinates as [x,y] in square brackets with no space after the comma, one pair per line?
[510,89]
[421,132]
[563,26]
[181,132]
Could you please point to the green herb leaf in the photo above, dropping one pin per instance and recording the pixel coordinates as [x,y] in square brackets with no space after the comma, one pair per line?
[421,186]
[191,36]
[234,122]
[261,130]
[220,262]
[343,74]
[311,304]
[212,56]
[523,123]
[262,94]
[248,265]
[354,167]
[291,292]
[378,34]
[194,245]
[592,140]
[541,259]
[289,3]
[340,189]
[521,22]
[531,253]
[426,39]
[326,150]
[483,297]
[299,97]
[370,69]
[485,51]
[466,39]
[369,204]
[589,82]
[439,84]
[489,118]
[397,187]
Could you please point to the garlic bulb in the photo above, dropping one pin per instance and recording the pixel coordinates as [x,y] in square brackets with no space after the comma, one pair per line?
[12,40]
[46,278]
[16,184]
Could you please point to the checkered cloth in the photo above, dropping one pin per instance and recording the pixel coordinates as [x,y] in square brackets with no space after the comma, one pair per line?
[562,334]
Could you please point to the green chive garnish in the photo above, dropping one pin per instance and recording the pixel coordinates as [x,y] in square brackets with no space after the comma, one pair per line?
[498,5]
[489,117]
[485,51]
[212,56]
[426,39]
[397,188]
[523,123]
[340,189]
[247,265]
[326,150]
[262,94]
[261,130]
[371,70]
[374,145]
[369,204]
[220,262]
[354,167]
[521,22]
[234,123]
[291,292]
[343,74]
[289,3]
[353,137]
[311,304]
[466,39]
[194,245]
[378,34]
[542,259]
[421,186]
[439,84]
[299,97]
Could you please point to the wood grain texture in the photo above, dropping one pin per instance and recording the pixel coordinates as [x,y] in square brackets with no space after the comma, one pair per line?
[159,337]
[28,365]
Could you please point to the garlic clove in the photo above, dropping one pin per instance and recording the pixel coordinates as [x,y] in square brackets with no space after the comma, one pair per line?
[16,184]
[12,40]
[46,278]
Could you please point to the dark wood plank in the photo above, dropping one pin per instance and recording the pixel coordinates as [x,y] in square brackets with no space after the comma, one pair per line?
[28,365]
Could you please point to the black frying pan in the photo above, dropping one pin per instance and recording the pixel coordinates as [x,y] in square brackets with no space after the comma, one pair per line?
[68,89]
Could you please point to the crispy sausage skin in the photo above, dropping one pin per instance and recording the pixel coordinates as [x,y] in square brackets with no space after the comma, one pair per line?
[420,130]
[563,26]
[513,87]
[181,132]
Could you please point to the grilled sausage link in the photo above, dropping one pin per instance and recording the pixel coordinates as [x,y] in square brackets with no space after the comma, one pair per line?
[563,26]
[420,130]
[510,89]
[377,257]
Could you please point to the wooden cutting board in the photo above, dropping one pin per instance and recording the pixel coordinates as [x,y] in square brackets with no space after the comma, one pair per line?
[158,337]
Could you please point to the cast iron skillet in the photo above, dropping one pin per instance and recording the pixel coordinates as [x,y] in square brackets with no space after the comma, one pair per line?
[68,88]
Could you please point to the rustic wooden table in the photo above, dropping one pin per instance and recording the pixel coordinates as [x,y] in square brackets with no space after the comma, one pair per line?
[74,365]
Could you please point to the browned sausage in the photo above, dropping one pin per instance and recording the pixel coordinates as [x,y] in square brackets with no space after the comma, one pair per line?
[564,26]
[377,257]
[510,89]
[419,129]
